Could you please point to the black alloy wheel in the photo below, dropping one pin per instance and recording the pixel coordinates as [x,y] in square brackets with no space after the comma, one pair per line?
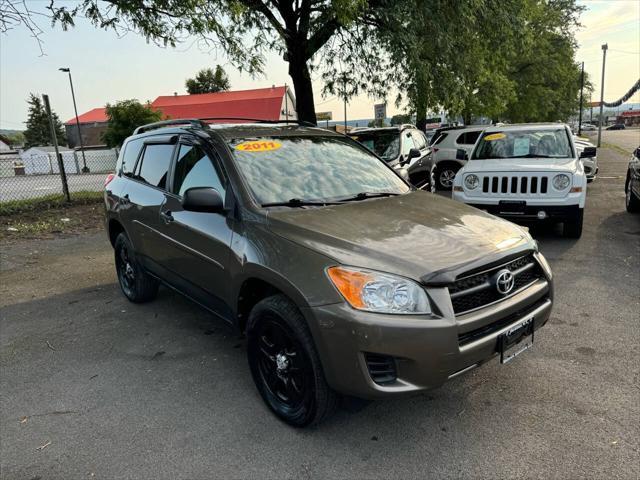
[285,365]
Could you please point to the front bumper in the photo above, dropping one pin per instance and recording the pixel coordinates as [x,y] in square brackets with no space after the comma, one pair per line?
[426,351]
[530,213]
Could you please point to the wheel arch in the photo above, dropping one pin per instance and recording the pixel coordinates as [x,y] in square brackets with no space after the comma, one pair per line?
[258,284]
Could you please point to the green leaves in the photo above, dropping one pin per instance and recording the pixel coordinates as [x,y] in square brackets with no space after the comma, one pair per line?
[124,117]
[38,132]
[208,81]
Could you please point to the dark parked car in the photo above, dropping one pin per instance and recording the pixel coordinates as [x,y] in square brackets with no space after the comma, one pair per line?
[403,146]
[617,126]
[345,279]
[632,183]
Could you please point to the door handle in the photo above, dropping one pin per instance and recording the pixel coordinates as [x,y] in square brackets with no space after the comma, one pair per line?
[166,216]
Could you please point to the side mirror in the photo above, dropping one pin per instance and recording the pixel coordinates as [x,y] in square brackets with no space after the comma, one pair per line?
[414,153]
[202,199]
[588,152]
[461,154]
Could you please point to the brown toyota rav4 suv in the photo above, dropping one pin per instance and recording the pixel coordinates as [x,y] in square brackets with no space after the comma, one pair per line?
[344,278]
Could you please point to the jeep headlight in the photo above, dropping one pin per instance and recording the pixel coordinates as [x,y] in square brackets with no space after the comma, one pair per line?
[379,292]
[562,181]
[471,182]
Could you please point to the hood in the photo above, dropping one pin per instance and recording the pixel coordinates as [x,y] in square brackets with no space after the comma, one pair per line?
[522,165]
[418,235]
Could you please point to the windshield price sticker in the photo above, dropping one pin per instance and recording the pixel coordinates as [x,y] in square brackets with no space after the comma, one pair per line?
[258,146]
[494,136]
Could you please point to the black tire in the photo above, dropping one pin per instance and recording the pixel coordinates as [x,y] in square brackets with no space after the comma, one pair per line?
[573,228]
[631,201]
[136,284]
[444,176]
[285,365]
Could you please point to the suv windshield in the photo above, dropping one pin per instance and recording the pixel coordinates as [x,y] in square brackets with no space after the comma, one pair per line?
[279,169]
[384,143]
[543,143]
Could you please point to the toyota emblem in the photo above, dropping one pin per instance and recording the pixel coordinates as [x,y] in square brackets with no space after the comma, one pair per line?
[504,281]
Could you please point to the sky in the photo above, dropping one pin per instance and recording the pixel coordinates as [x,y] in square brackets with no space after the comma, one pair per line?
[106,68]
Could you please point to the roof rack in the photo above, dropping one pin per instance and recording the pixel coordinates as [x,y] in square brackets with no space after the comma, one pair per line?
[201,122]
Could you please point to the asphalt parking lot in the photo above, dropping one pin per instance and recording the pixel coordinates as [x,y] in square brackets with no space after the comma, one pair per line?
[92,386]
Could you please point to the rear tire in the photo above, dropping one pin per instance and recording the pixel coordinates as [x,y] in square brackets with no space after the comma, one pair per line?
[136,284]
[631,201]
[573,228]
[285,365]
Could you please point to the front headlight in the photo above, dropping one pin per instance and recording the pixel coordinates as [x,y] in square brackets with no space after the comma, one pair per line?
[379,292]
[562,181]
[471,182]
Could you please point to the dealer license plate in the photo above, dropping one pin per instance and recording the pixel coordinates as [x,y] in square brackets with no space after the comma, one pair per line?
[516,340]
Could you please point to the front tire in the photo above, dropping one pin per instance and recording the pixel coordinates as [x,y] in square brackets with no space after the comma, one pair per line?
[136,284]
[444,176]
[285,365]
[631,201]
[573,228]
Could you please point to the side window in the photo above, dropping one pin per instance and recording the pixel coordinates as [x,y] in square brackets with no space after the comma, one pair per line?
[440,138]
[153,167]
[194,168]
[468,138]
[407,142]
[130,155]
[419,139]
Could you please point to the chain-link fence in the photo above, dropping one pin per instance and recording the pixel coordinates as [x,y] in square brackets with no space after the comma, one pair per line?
[36,173]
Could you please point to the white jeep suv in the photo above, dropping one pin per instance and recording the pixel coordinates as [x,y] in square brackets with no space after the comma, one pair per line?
[529,172]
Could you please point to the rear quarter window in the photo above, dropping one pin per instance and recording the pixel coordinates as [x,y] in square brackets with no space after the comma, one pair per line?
[129,156]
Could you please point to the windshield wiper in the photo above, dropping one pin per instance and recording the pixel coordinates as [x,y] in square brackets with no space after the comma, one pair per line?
[366,195]
[298,202]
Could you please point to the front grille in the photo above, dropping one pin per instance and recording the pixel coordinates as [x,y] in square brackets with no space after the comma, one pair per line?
[508,184]
[479,290]
[382,368]
[468,337]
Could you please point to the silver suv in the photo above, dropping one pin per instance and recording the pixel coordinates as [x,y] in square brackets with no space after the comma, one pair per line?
[442,159]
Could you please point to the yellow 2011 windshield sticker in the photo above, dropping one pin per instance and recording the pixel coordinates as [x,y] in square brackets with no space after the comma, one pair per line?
[258,146]
[494,136]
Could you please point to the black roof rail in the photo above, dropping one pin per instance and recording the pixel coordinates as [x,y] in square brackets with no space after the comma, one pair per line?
[194,122]
[201,122]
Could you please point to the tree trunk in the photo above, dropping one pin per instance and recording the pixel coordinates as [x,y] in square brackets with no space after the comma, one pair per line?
[302,87]
[421,113]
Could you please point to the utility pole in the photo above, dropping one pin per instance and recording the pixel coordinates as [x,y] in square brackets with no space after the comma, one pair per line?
[604,59]
[85,169]
[54,139]
[581,89]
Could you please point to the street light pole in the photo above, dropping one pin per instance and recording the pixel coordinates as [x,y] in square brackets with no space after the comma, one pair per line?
[581,89]
[604,59]
[85,169]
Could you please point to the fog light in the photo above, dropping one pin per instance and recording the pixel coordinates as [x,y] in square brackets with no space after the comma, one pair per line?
[542,215]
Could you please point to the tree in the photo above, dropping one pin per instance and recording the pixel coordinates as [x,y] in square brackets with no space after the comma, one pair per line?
[208,81]
[244,29]
[401,118]
[38,132]
[124,117]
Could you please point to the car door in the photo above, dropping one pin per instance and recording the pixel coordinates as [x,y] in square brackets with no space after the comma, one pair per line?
[634,167]
[197,244]
[144,196]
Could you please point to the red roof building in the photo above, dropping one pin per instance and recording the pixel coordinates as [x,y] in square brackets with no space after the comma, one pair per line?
[274,103]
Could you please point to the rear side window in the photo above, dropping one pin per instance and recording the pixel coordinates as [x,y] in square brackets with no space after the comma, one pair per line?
[468,138]
[194,168]
[153,167]
[130,155]
[440,138]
